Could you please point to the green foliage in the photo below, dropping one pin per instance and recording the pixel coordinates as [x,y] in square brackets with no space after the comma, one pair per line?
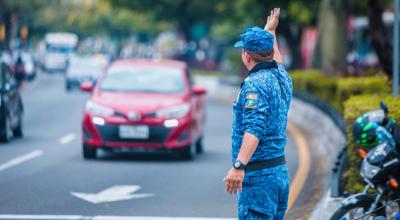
[315,83]
[354,107]
[84,18]
[362,94]
[361,85]
[335,90]
[360,7]
[225,18]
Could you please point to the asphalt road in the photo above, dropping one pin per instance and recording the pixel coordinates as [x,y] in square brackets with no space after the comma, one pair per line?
[39,172]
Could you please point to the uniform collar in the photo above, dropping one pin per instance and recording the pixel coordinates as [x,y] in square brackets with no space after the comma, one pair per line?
[260,66]
[263,65]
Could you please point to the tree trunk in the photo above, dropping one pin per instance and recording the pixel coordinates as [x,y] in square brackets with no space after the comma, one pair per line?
[380,40]
[293,39]
[184,24]
[331,49]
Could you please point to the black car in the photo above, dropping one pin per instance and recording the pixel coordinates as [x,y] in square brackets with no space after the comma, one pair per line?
[11,108]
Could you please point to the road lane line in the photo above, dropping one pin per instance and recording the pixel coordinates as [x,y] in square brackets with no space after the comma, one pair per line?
[21,159]
[79,217]
[154,218]
[304,164]
[67,138]
[42,217]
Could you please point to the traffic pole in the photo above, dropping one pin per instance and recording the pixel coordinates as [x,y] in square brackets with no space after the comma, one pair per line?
[396,56]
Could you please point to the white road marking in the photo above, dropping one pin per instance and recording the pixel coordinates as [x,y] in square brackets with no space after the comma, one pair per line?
[154,218]
[113,194]
[21,159]
[44,217]
[67,138]
[78,217]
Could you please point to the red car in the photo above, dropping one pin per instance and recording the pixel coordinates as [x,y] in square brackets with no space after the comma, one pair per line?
[144,105]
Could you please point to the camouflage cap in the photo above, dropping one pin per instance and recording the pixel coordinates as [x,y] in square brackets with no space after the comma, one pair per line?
[255,39]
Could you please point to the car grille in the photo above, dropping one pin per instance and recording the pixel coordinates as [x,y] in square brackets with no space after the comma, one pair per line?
[157,134]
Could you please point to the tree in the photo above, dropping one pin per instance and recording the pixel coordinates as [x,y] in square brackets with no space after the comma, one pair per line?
[381,41]
[331,48]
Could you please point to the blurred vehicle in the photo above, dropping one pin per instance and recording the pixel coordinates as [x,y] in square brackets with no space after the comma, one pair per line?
[29,64]
[11,108]
[143,105]
[361,53]
[82,69]
[56,50]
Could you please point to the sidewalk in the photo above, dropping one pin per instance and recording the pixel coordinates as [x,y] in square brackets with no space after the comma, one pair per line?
[324,138]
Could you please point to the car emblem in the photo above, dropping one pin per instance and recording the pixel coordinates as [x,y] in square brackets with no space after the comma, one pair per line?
[134,116]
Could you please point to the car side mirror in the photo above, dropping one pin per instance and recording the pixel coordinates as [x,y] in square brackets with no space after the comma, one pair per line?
[87,86]
[198,90]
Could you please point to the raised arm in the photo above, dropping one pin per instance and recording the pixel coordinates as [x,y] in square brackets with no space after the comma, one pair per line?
[270,26]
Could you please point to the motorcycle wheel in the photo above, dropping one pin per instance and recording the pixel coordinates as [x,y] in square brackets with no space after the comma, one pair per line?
[355,211]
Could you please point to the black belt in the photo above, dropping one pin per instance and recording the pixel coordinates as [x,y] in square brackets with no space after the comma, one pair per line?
[263,164]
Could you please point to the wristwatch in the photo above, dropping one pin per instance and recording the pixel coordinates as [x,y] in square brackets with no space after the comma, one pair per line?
[239,165]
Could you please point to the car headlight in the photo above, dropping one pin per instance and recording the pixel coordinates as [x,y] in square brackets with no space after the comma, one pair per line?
[174,112]
[98,110]
[368,170]
[29,67]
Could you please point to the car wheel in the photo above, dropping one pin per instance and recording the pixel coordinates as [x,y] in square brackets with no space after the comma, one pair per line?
[89,152]
[7,132]
[189,152]
[199,146]
[18,130]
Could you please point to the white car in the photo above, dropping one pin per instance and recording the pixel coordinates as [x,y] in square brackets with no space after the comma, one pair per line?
[82,69]
[29,65]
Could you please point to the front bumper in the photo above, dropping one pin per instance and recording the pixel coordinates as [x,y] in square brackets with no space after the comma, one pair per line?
[76,81]
[160,137]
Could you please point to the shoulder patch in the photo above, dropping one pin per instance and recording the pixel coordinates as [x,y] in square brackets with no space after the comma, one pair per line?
[251,100]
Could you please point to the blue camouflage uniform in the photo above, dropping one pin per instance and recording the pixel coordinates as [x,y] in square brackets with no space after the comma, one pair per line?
[261,109]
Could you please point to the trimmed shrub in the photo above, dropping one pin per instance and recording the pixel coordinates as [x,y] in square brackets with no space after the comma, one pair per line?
[335,90]
[362,94]
[316,84]
[354,107]
[346,87]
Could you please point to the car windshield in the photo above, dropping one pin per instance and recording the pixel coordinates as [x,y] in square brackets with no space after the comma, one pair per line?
[144,79]
[84,63]
[51,48]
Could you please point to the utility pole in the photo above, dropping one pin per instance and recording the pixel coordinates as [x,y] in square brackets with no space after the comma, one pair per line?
[396,56]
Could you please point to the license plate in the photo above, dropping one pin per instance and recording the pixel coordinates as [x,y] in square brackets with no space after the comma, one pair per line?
[130,131]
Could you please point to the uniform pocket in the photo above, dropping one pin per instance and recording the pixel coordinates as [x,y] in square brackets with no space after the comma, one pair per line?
[264,194]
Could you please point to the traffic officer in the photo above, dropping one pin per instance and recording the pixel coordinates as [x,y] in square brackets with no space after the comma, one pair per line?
[259,174]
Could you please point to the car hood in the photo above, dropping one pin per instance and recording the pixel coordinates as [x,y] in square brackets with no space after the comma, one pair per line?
[140,102]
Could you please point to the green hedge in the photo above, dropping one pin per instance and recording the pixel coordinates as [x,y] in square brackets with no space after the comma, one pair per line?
[375,85]
[334,90]
[355,106]
[352,96]
[316,84]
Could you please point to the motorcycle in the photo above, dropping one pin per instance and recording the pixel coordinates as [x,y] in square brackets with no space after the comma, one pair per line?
[380,171]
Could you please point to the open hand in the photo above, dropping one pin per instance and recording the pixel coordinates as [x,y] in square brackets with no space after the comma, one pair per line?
[233,181]
[273,20]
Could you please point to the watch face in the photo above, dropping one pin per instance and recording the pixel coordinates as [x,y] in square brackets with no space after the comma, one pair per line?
[237,164]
